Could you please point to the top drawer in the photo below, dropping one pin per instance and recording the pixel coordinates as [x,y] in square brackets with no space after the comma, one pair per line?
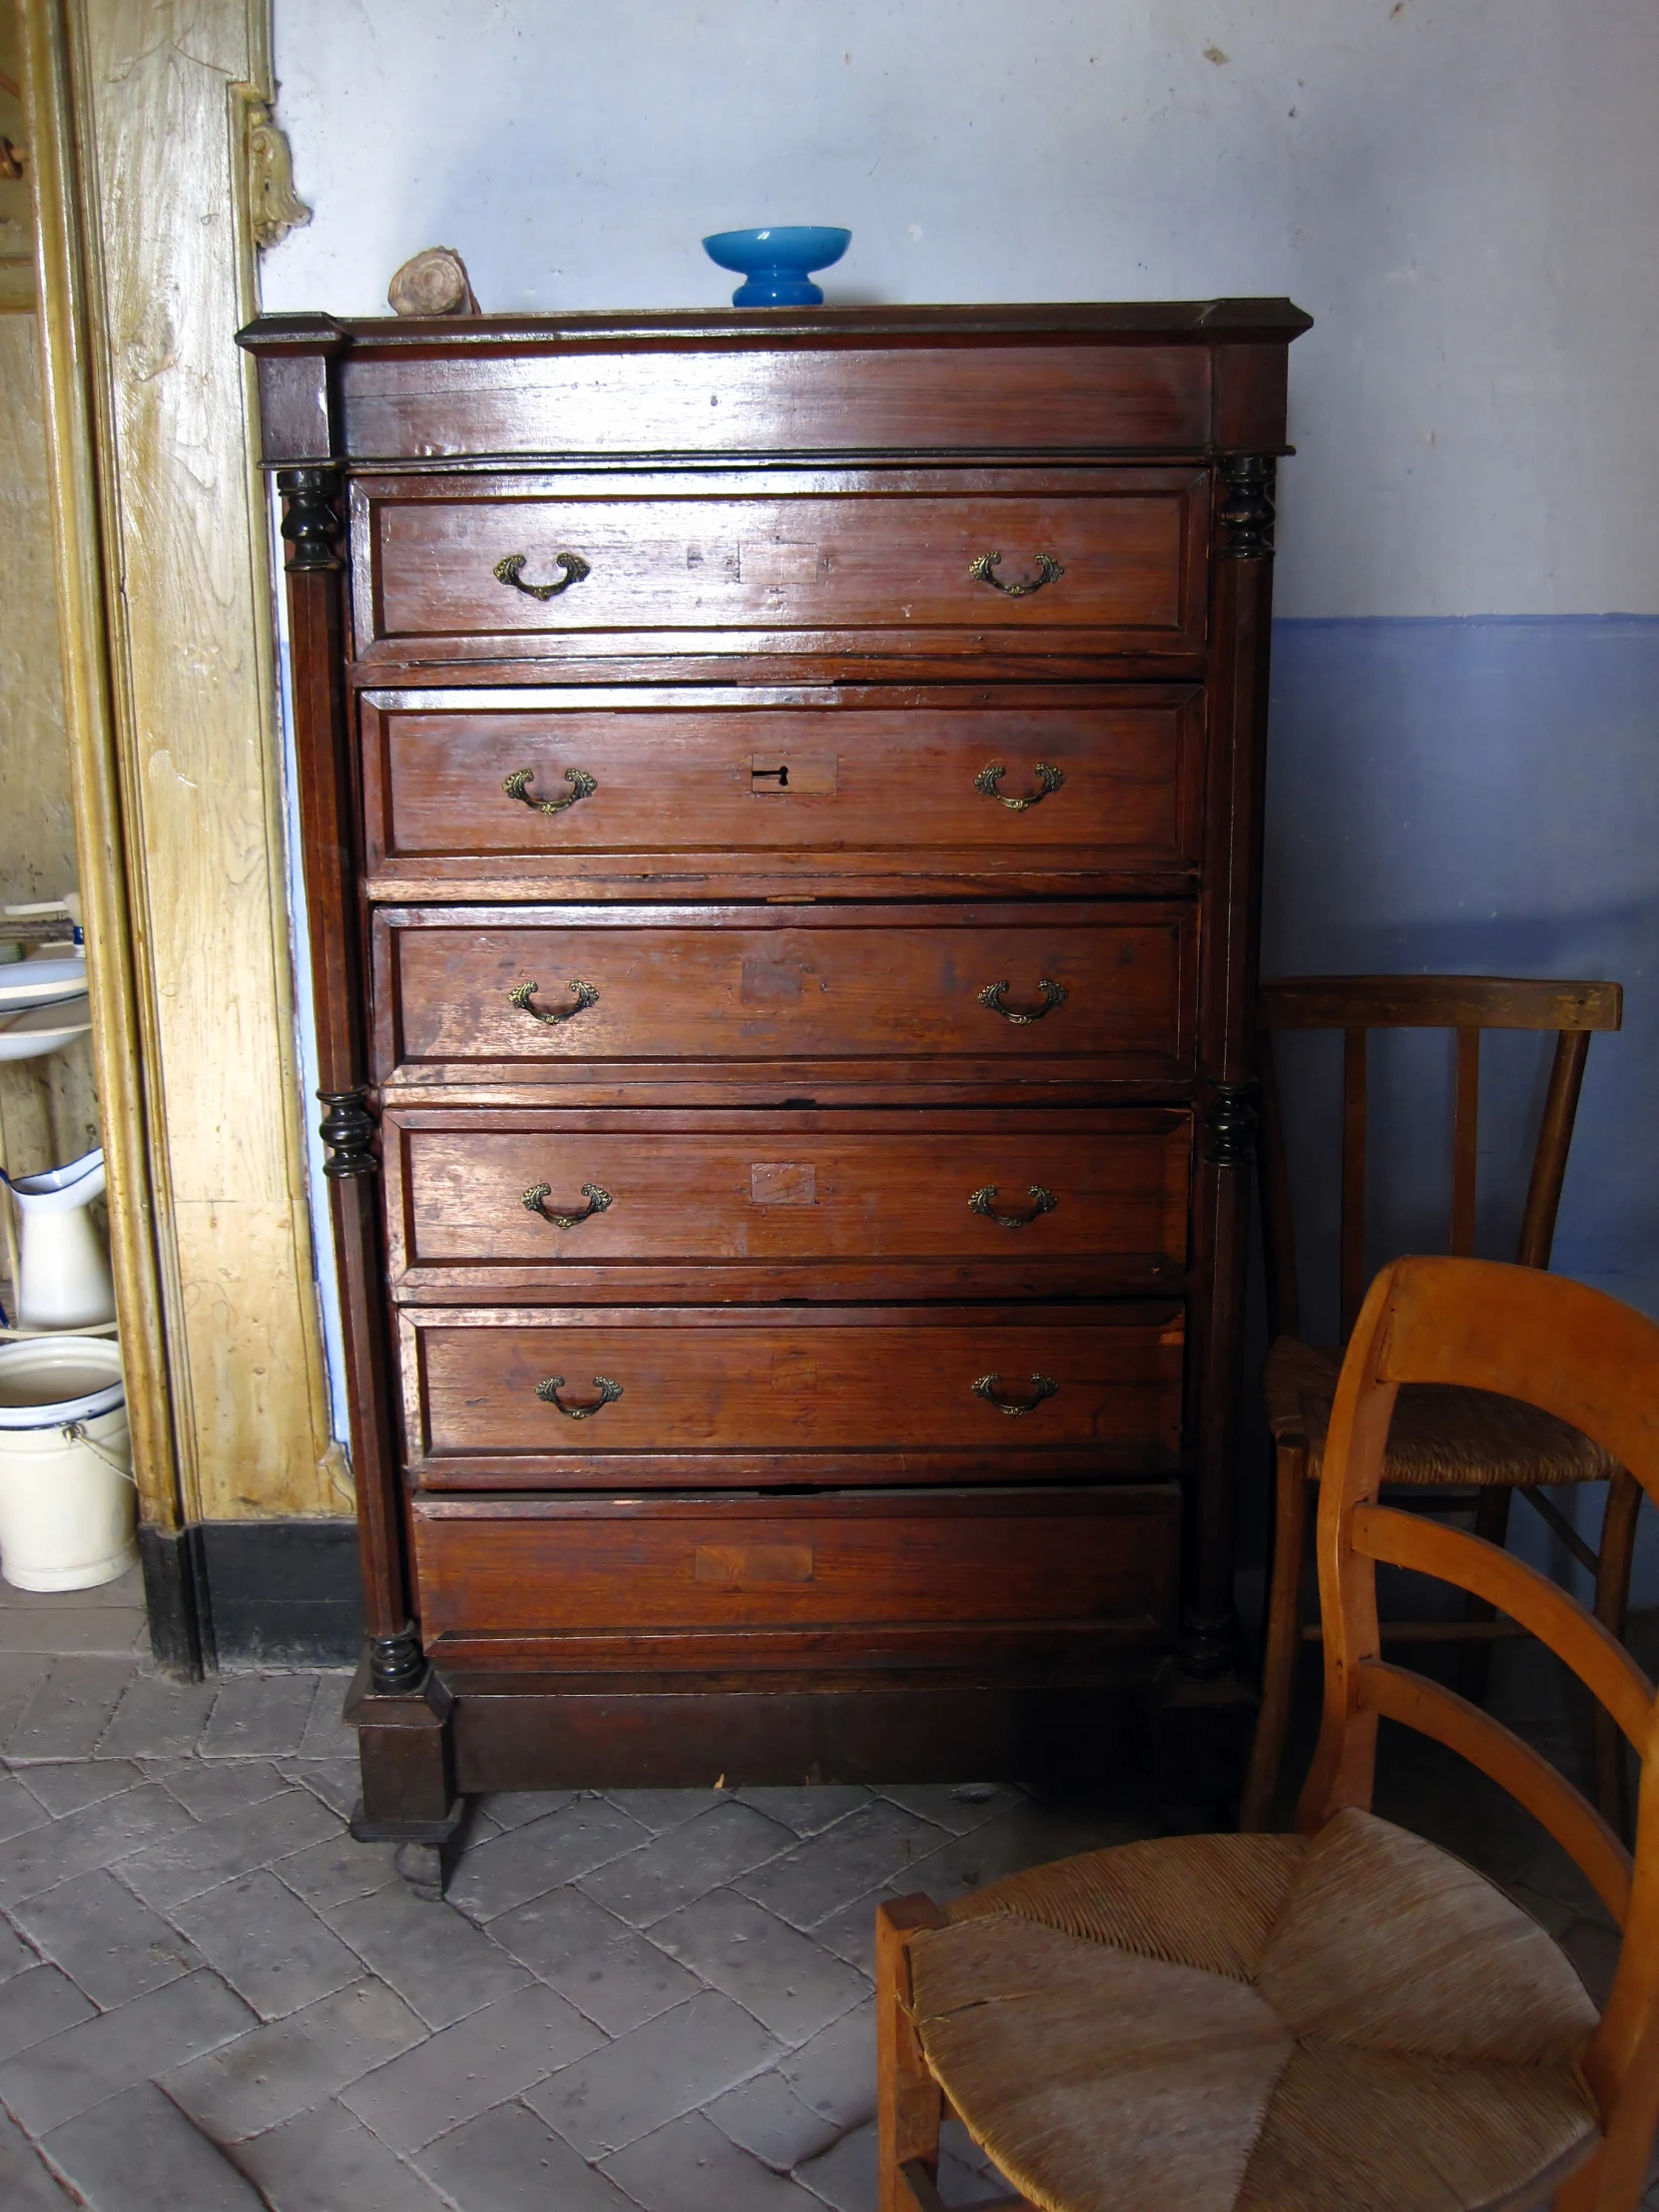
[953,562]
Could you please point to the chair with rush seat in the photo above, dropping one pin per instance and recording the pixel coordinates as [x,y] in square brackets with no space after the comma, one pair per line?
[1347,2016]
[1450,1451]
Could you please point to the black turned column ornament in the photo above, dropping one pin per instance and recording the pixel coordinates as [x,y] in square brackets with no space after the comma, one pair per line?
[1246,514]
[397,1663]
[1208,1647]
[310,525]
[1230,1126]
[348,1129]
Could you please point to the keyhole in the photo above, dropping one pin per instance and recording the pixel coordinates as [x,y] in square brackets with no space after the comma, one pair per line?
[782,779]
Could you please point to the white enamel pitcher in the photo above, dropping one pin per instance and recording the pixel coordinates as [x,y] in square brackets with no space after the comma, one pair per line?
[64,1278]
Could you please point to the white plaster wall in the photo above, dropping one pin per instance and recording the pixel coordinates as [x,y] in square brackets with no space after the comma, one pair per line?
[1463,193]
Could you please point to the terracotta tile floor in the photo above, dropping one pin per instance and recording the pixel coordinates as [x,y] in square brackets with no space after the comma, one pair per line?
[211,1998]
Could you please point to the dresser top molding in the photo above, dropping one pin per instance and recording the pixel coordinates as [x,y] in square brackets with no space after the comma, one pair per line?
[1191,378]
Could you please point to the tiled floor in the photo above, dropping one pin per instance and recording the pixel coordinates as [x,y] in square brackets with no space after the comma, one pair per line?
[211,1998]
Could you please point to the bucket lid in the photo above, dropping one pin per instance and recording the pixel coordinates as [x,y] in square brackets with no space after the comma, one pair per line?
[46,1381]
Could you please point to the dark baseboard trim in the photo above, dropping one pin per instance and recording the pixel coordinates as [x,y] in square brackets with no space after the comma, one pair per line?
[173,1602]
[238,1593]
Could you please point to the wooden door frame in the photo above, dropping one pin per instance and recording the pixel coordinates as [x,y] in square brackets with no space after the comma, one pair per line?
[183,876]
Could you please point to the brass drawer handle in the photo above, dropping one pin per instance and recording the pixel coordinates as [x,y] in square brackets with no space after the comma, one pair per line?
[1048,779]
[1048,568]
[609,1393]
[582,786]
[587,994]
[511,572]
[980,1203]
[985,1386]
[535,1202]
[1052,996]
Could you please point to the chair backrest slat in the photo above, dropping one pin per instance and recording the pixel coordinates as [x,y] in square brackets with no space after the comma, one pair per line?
[1437,1003]
[1464,1137]
[1396,1694]
[1353,1249]
[1593,1363]
[1278,1230]
[1595,1655]
[1549,1161]
[1468,1004]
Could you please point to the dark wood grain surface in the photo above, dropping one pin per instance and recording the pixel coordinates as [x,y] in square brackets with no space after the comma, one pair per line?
[815,984]
[771,693]
[720,1396]
[751,781]
[724,563]
[725,402]
[1039,1558]
[722,1198]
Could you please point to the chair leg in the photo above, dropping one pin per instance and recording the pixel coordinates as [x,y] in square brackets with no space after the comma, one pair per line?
[908,2105]
[1283,1641]
[1615,1552]
[1475,1661]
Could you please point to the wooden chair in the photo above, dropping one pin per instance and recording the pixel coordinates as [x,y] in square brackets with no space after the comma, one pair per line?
[1455,1450]
[1346,2016]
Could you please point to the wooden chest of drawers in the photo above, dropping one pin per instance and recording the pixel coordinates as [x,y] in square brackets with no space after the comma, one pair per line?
[780,799]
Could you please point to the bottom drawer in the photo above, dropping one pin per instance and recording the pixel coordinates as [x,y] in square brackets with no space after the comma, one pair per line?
[865,1574]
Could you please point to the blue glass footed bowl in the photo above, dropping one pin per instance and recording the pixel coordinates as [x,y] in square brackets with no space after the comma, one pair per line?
[778,261]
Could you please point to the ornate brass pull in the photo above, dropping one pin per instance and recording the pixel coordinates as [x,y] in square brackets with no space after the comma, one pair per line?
[980,1203]
[984,1387]
[1052,996]
[582,786]
[511,572]
[1048,779]
[609,1393]
[1048,568]
[587,994]
[535,1202]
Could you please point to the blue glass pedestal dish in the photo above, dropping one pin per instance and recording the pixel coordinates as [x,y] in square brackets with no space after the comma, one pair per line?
[778,261]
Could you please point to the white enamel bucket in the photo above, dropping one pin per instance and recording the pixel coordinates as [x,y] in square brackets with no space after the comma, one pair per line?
[67,1504]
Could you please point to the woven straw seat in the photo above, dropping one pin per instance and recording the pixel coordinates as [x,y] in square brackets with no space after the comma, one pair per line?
[1442,1432]
[1260,2023]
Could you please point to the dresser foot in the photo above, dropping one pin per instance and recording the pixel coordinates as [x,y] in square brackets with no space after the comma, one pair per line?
[406,1756]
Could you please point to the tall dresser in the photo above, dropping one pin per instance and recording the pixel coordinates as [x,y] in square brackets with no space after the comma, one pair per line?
[781,800]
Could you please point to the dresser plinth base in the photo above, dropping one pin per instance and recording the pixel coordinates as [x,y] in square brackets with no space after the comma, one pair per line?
[646,1734]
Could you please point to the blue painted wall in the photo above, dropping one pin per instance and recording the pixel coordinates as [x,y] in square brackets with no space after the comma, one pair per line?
[1479,796]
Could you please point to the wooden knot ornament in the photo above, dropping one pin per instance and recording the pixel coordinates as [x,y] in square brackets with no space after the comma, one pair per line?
[434,283]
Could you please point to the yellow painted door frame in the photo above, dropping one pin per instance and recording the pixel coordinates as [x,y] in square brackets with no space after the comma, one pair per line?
[157,168]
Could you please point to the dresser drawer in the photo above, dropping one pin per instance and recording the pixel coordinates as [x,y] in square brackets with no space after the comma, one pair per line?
[1103,1562]
[988,992]
[460,784]
[1109,559]
[695,1396]
[578,1206]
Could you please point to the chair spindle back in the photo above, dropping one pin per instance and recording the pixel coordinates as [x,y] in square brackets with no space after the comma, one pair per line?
[1467,1005]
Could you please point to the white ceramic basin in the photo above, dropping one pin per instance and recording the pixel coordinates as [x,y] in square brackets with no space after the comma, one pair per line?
[25,1035]
[27,983]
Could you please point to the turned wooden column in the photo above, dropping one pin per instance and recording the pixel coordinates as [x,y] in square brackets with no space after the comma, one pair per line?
[1241,603]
